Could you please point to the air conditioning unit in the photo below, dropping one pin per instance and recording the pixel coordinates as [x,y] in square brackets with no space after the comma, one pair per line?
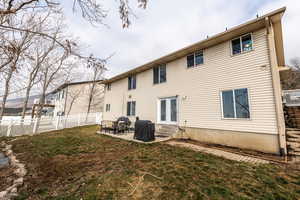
[291,97]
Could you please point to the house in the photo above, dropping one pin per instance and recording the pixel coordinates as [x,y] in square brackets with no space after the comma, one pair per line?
[73,98]
[222,90]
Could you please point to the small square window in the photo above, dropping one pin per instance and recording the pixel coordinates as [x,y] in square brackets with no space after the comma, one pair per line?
[195,59]
[242,44]
[235,104]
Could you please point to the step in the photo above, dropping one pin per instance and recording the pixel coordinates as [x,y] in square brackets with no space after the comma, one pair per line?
[163,134]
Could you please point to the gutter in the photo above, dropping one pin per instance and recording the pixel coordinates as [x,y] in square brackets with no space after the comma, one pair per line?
[276,87]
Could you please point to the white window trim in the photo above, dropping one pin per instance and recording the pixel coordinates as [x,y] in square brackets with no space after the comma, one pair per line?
[131,111]
[194,54]
[241,45]
[159,66]
[158,119]
[131,82]
[234,107]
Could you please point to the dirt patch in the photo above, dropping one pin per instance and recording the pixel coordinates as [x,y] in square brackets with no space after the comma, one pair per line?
[7,177]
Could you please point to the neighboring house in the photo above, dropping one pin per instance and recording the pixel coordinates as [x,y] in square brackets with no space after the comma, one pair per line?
[73,98]
[222,90]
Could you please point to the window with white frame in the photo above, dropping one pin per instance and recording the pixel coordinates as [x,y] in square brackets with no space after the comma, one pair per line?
[131,82]
[159,74]
[107,107]
[235,104]
[242,44]
[131,108]
[195,59]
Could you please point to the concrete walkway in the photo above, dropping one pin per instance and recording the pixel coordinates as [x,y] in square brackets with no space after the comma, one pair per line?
[217,152]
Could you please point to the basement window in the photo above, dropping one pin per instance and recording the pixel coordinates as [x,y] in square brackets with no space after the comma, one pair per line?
[242,44]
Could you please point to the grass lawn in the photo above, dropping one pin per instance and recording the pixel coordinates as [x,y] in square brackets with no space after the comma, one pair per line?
[76,163]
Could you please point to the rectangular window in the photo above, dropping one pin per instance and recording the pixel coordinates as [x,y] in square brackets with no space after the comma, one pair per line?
[131,82]
[108,87]
[190,60]
[195,59]
[131,108]
[163,110]
[107,107]
[242,44]
[174,110]
[235,104]
[159,74]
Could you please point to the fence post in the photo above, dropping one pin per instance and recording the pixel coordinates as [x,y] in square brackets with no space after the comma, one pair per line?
[36,125]
[57,122]
[9,128]
[78,119]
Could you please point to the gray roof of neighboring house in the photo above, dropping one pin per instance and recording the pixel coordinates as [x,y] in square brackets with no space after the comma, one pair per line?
[73,83]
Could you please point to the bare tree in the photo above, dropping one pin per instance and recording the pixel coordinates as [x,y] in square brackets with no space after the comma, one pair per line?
[15,44]
[97,67]
[91,10]
[291,79]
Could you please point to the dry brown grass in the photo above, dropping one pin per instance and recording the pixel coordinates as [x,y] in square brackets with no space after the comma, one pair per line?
[76,163]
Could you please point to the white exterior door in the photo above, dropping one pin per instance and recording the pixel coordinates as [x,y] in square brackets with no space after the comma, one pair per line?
[167,110]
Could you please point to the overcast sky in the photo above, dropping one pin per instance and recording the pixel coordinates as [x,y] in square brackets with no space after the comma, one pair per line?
[169,25]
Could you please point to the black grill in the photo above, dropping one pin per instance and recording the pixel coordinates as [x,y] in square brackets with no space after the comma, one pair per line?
[144,130]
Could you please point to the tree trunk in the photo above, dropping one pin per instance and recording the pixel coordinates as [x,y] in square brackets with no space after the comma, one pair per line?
[26,101]
[6,91]
[90,99]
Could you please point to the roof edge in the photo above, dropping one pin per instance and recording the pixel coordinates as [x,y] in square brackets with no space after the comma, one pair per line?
[156,61]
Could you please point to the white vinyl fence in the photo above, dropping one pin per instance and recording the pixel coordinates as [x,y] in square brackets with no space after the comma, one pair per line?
[18,127]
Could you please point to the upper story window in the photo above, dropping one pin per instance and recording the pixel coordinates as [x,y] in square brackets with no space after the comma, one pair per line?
[108,86]
[242,44]
[63,94]
[235,104]
[131,82]
[195,59]
[131,108]
[107,107]
[159,74]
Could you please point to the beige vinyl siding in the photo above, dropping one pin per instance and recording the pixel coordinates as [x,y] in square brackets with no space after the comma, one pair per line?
[79,94]
[202,86]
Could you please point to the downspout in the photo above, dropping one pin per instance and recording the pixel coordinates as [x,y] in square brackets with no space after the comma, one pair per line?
[276,87]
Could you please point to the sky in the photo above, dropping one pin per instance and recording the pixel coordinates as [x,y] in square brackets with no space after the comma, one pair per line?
[168,25]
